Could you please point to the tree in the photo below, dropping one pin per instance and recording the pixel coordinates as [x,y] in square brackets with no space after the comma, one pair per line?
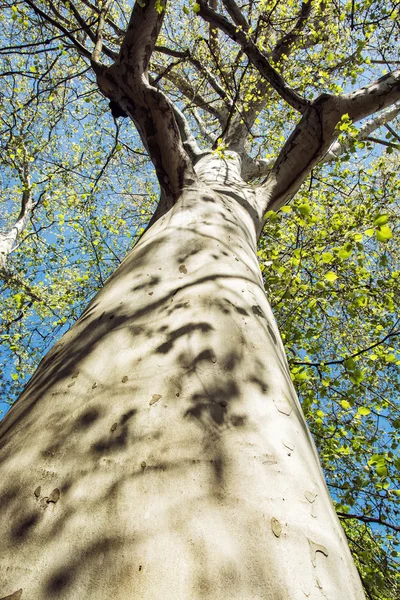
[160,449]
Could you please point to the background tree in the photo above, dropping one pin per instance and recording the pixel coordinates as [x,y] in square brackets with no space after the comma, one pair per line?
[328,261]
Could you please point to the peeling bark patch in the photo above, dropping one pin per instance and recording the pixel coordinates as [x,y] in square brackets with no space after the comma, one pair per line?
[155,398]
[276,527]
[15,596]
[183,269]
[54,496]
[283,406]
[124,379]
[310,496]
[288,445]
[37,491]
[314,548]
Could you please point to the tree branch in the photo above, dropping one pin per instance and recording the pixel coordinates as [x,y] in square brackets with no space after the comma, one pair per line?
[81,49]
[255,55]
[126,82]
[374,97]
[316,132]
[368,520]
[364,132]
[342,360]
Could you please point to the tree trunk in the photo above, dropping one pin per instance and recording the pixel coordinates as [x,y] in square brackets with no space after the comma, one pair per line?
[160,450]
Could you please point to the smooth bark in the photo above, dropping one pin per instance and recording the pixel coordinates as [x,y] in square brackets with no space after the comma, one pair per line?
[160,450]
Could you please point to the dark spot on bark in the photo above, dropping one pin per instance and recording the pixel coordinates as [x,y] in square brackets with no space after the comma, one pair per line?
[21,530]
[128,415]
[113,426]
[37,491]
[262,385]
[183,269]
[88,417]
[180,332]
[124,379]
[111,444]
[59,582]
[238,420]
[241,311]
[257,311]
[116,111]
[231,361]
[272,334]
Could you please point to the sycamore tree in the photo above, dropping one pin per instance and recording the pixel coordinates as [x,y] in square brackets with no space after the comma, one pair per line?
[160,449]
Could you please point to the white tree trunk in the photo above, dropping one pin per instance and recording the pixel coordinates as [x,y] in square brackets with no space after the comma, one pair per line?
[160,450]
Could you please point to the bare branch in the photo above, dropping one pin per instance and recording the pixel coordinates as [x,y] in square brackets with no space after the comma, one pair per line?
[366,519]
[236,14]
[184,86]
[81,49]
[99,33]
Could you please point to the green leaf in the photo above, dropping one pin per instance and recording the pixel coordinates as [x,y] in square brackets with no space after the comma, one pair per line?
[356,376]
[271,216]
[196,7]
[383,234]
[327,257]
[363,410]
[350,364]
[382,470]
[381,220]
[331,276]
[304,209]
[345,404]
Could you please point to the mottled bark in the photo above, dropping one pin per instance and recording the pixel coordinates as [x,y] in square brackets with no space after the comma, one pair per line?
[160,450]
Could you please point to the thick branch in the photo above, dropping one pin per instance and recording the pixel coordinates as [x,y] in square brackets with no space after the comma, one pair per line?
[241,125]
[9,239]
[236,14]
[255,55]
[284,44]
[369,99]
[317,130]
[126,82]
